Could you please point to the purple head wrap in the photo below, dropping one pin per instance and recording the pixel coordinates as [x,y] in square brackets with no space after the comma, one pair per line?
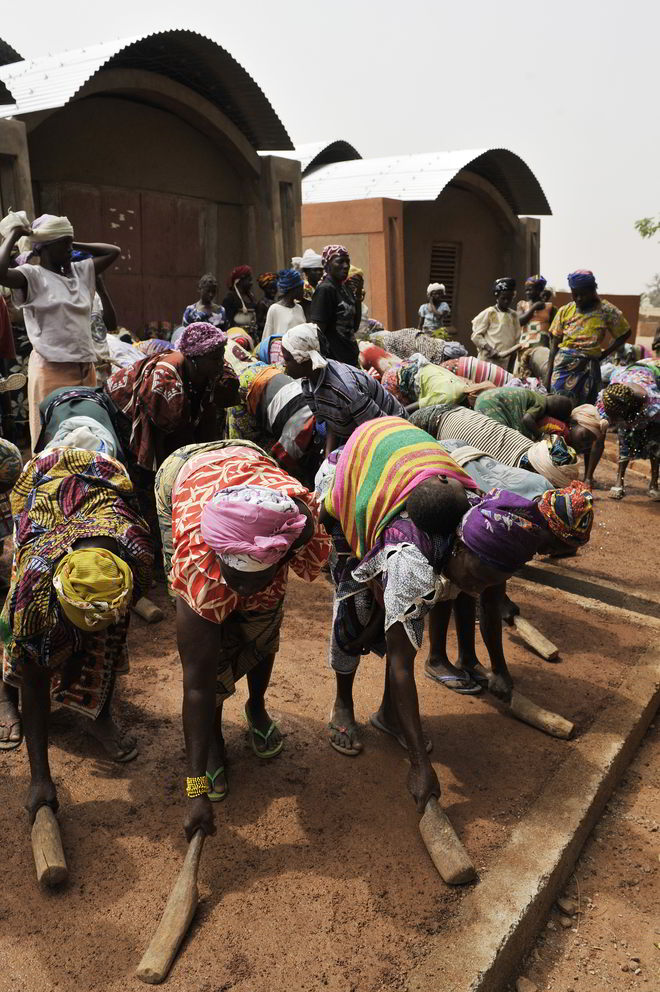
[503,529]
[581,279]
[200,338]
[536,280]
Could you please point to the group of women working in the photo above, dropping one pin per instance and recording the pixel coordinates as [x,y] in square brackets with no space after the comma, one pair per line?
[413,529]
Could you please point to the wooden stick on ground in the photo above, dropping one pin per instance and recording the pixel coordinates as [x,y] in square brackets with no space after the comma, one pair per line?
[147,610]
[177,917]
[527,711]
[535,639]
[446,851]
[47,848]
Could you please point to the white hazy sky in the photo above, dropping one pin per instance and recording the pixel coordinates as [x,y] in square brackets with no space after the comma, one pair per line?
[570,85]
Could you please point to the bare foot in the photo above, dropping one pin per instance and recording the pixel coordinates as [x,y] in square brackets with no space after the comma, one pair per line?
[344,730]
[118,746]
[11,733]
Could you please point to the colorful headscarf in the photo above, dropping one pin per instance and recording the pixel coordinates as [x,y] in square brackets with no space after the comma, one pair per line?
[266,279]
[330,252]
[504,283]
[581,279]
[288,279]
[251,527]
[302,343]
[569,512]
[536,280]
[554,460]
[503,529]
[620,402]
[238,273]
[586,415]
[355,271]
[94,587]
[201,338]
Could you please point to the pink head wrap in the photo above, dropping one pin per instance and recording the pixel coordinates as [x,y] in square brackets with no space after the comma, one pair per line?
[200,338]
[251,527]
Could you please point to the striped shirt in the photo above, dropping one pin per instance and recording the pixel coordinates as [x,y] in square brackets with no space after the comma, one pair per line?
[502,443]
[345,397]
[286,417]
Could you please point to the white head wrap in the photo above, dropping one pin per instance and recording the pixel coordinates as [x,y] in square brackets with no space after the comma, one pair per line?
[586,415]
[49,228]
[311,260]
[83,432]
[44,229]
[434,287]
[14,218]
[559,475]
[295,262]
[302,343]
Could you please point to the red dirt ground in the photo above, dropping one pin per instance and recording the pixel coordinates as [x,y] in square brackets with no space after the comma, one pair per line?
[317,877]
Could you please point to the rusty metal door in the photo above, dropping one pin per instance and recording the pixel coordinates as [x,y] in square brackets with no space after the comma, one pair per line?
[167,242]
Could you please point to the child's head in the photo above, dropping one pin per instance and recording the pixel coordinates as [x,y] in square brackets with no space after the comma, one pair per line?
[437,505]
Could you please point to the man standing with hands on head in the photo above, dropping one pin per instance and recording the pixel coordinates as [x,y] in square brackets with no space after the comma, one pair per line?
[56,298]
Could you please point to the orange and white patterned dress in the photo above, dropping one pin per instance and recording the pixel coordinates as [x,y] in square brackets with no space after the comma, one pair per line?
[187,480]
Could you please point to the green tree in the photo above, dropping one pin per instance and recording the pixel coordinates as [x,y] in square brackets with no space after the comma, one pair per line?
[647,226]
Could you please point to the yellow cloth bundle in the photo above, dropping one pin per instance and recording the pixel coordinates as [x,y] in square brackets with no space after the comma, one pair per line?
[94,587]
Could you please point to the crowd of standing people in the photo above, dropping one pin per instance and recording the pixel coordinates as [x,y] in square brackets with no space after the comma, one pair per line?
[294,431]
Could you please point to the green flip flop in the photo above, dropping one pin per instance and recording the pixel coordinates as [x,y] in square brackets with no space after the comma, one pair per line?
[255,732]
[213,794]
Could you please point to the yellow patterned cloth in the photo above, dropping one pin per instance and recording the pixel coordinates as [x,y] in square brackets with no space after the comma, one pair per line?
[62,497]
[94,587]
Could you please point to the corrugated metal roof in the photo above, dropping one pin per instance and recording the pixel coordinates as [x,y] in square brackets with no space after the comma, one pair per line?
[317,153]
[184,56]
[424,176]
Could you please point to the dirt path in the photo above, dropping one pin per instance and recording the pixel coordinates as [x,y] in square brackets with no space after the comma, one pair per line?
[317,877]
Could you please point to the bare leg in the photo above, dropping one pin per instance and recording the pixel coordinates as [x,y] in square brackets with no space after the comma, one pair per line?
[618,490]
[654,492]
[36,711]
[118,746]
[387,715]
[255,708]
[217,754]
[438,665]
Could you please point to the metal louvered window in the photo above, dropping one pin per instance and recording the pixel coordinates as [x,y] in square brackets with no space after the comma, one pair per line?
[445,257]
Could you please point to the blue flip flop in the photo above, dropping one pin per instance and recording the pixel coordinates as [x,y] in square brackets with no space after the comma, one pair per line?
[471,688]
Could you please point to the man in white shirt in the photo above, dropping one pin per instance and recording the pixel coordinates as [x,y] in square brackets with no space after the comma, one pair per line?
[496,330]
